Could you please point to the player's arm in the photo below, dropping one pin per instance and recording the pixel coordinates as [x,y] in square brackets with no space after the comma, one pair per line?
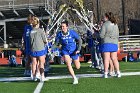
[78,40]
[79,44]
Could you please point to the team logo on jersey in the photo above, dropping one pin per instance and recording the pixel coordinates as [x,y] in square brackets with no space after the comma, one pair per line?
[68,37]
[28,32]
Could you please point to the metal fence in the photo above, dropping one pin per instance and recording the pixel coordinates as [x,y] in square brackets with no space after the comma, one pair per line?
[129,43]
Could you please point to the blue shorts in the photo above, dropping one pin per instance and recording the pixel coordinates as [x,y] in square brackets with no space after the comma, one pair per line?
[38,53]
[71,54]
[109,47]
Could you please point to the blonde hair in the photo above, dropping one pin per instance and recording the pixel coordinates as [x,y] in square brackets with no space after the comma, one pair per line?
[35,21]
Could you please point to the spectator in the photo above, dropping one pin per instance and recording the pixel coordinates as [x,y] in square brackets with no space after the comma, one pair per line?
[92,45]
[38,50]
[26,45]
[109,43]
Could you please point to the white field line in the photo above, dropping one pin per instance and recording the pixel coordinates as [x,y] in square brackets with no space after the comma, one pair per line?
[62,77]
[15,79]
[39,87]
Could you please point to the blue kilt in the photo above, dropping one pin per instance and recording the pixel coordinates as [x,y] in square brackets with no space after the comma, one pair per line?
[38,53]
[108,47]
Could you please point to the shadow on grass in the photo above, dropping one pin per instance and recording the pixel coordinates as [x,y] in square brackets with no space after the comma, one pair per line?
[56,70]
[62,70]
[6,71]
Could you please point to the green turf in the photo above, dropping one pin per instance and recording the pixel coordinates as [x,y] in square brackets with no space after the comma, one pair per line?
[62,70]
[85,69]
[18,87]
[130,66]
[129,84]
[6,71]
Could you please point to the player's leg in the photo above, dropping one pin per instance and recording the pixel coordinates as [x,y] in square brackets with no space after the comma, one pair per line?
[77,65]
[69,66]
[106,58]
[116,63]
[34,64]
[41,65]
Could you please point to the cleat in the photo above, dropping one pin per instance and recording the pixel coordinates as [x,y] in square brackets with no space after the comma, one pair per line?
[75,81]
[42,79]
[105,76]
[118,75]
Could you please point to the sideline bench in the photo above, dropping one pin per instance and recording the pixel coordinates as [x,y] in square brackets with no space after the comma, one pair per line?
[129,43]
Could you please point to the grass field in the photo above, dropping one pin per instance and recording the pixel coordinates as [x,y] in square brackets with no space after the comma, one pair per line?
[94,85]
[18,87]
[126,84]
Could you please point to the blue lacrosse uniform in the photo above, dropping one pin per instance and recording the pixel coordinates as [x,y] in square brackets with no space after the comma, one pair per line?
[26,38]
[48,46]
[68,43]
[57,52]
[90,39]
